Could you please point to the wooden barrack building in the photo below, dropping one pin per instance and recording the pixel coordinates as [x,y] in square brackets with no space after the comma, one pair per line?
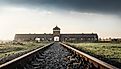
[57,36]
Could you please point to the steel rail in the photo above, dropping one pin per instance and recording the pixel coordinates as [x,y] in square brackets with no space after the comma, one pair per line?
[14,62]
[96,62]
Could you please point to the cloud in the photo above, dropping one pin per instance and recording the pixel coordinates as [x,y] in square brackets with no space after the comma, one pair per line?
[84,15]
[100,6]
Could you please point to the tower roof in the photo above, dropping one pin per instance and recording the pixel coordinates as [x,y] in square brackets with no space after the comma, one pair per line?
[56,28]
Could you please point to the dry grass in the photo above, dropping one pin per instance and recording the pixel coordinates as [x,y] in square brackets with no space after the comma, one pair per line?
[109,52]
[10,49]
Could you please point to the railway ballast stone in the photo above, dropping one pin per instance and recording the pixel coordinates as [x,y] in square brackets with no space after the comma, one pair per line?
[54,57]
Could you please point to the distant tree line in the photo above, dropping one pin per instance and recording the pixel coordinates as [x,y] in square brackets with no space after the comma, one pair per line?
[110,40]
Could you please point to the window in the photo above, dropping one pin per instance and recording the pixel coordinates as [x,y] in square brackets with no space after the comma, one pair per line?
[92,39]
[50,38]
[70,38]
[88,38]
[95,38]
[73,38]
[43,39]
[81,38]
[66,38]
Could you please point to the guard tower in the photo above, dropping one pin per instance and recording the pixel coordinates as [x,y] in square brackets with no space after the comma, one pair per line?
[56,33]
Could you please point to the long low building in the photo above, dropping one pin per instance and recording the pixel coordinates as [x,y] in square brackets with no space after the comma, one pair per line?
[57,36]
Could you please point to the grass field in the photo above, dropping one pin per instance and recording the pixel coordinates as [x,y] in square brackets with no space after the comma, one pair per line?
[13,49]
[109,52]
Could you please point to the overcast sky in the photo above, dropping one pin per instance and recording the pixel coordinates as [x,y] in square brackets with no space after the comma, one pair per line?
[72,16]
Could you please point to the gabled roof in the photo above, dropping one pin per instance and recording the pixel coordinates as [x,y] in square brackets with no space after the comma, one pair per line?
[56,28]
[79,35]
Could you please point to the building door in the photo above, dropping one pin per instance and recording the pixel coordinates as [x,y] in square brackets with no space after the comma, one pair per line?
[56,38]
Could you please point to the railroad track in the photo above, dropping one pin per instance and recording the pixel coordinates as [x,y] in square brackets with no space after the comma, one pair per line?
[56,56]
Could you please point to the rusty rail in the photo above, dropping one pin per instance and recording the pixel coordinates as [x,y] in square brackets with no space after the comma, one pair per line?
[96,62]
[23,58]
[20,60]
